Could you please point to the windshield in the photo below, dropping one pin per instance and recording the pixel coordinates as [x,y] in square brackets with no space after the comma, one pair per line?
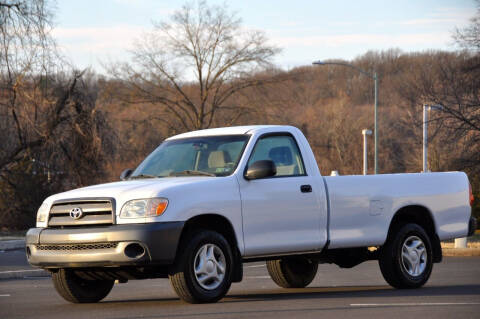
[199,156]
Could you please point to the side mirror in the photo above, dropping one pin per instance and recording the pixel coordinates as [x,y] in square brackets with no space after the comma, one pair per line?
[261,169]
[126,174]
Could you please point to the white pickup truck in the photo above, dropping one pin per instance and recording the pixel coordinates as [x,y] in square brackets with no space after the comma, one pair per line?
[205,202]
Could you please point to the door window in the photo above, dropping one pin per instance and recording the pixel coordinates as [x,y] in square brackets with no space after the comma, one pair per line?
[283,151]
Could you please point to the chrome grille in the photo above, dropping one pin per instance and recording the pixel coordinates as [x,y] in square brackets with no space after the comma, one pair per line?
[70,247]
[95,212]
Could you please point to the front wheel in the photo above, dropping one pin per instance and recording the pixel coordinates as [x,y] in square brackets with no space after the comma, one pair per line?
[406,260]
[203,271]
[78,290]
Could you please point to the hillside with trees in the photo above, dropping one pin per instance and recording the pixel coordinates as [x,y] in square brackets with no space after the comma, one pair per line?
[64,128]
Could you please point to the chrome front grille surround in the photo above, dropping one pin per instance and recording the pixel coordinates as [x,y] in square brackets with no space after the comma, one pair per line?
[92,212]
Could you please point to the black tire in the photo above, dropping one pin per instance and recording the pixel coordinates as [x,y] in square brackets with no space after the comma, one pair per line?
[183,277]
[292,272]
[395,268]
[77,290]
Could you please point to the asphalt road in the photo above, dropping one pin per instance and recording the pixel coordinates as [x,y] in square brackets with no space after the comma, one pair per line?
[452,292]
[13,260]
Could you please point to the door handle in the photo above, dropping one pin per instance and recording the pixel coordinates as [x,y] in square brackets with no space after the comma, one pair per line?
[306,188]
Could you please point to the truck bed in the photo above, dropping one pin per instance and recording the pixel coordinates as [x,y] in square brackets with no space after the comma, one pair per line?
[361,207]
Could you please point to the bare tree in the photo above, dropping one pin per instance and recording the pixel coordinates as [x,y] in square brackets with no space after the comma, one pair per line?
[192,65]
[25,52]
[469,37]
[48,115]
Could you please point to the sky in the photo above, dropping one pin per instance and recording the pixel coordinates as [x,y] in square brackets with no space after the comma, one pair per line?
[91,33]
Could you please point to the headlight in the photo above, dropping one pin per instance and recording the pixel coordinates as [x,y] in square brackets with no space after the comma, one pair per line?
[42,213]
[139,208]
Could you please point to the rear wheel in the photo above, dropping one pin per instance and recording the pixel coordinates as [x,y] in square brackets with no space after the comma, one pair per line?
[78,290]
[406,260]
[292,272]
[203,271]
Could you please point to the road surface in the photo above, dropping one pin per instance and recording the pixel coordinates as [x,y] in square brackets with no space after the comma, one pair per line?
[452,292]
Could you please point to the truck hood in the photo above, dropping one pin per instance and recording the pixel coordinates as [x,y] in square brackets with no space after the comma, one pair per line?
[132,189]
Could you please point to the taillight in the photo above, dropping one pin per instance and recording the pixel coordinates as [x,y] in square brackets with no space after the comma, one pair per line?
[471,194]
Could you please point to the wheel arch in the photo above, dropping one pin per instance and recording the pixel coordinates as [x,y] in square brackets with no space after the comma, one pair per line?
[422,216]
[221,225]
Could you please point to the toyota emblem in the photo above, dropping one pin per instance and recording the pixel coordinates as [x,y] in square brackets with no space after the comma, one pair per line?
[76,213]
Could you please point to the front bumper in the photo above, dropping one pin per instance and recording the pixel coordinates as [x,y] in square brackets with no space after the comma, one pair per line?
[116,245]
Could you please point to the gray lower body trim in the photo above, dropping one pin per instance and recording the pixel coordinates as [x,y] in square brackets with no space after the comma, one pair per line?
[103,246]
[293,253]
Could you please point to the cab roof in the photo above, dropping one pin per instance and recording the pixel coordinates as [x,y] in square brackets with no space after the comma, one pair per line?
[233,130]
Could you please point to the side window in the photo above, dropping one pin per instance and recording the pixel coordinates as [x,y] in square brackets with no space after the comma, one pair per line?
[283,151]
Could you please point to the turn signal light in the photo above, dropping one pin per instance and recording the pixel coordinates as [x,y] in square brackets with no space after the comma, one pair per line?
[161,207]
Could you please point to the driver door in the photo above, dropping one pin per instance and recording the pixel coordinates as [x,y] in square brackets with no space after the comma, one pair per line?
[280,213]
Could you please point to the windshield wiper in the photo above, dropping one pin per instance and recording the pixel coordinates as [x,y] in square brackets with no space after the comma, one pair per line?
[142,176]
[191,173]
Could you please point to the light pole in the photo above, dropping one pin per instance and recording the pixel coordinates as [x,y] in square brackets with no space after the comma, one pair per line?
[459,242]
[365,132]
[426,109]
[375,79]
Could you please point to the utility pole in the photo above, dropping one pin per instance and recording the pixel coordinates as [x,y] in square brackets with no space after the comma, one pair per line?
[459,242]
[426,109]
[365,132]
[375,80]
